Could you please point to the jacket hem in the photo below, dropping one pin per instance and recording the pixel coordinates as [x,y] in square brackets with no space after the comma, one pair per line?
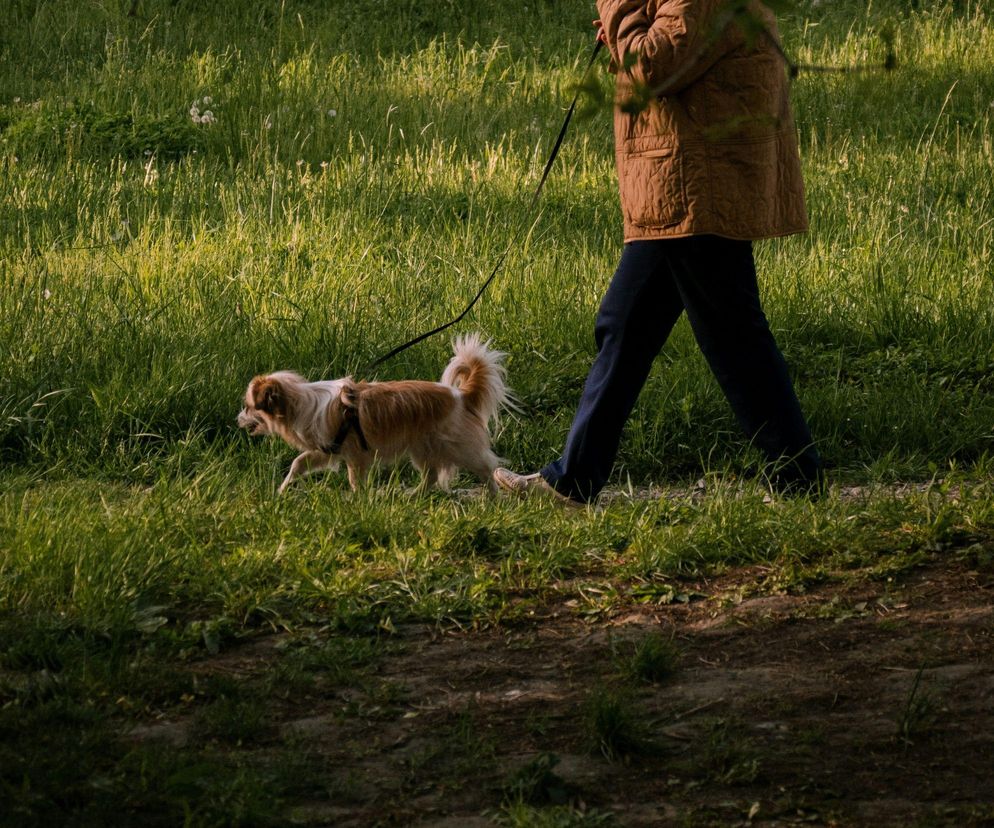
[657,235]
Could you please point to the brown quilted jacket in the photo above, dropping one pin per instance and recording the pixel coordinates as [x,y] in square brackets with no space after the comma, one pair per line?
[714,149]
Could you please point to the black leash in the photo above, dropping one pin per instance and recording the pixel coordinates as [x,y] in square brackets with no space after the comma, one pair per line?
[538,191]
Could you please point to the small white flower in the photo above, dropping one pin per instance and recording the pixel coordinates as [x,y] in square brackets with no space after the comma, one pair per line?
[151,173]
[903,209]
[324,165]
[206,117]
[207,100]
[116,237]
[46,294]
[332,113]
[17,100]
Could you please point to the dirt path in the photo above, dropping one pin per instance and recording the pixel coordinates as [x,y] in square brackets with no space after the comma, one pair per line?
[784,709]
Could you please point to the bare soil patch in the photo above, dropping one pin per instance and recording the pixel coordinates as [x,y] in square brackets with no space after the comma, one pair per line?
[862,704]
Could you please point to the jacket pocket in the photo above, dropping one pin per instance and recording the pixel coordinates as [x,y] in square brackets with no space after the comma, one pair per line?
[652,187]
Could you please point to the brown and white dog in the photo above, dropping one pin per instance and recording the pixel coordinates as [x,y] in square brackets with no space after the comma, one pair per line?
[442,426]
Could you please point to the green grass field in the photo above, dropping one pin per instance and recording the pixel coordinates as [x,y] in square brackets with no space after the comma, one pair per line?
[365,165]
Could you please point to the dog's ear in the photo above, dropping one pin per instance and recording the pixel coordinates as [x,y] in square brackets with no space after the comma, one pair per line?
[269,396]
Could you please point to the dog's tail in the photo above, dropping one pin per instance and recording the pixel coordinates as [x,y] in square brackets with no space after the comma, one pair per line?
[479,374]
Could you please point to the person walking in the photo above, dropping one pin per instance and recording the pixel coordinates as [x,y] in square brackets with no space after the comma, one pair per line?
[707,163]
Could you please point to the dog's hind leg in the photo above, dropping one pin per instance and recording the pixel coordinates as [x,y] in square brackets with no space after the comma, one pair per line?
[479,460]
[429,478]
[446,474]
[485,471]
[306,463]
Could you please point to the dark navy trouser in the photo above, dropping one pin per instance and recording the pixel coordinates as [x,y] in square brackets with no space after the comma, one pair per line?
[713,279]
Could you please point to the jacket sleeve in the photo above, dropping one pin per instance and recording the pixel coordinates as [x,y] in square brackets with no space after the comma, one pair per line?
[671,49]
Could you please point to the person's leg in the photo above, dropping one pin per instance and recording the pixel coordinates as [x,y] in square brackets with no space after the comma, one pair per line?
[635,317]
[716,278]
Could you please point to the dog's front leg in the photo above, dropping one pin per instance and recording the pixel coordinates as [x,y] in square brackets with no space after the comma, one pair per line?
[306,463]
[358,471]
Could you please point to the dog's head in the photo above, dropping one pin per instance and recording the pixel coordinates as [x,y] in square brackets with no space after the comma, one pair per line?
[268,403]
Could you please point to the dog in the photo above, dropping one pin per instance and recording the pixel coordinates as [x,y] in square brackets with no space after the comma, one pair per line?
[441,426]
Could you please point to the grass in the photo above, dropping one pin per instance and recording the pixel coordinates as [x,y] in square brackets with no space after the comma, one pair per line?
[651,659]
[918,713]
[726,755]
[536,783]
[364,170]
[520,815]
[614,727]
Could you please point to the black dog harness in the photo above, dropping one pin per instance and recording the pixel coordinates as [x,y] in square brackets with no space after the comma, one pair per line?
[350,423]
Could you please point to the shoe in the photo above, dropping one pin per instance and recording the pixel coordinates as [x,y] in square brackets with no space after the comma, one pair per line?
[531,484]
[793,486]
